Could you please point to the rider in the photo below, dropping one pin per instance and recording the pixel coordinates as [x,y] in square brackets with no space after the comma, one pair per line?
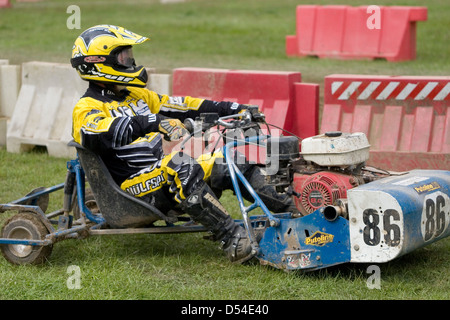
[122,121]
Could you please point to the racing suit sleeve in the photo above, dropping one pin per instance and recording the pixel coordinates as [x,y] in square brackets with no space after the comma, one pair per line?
[189,107]
[95,130]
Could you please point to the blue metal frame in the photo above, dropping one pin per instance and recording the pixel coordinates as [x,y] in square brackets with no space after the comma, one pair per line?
[75,167]
[54,235]
[68,231]
[236,174]
[286,241]
[38,194]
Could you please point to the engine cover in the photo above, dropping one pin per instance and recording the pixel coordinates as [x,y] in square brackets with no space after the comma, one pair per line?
[336,149]
[320,189]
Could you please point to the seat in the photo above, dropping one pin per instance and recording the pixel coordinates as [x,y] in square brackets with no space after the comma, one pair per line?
[118,208]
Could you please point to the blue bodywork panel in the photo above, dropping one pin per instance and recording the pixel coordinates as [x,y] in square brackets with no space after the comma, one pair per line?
[309,242]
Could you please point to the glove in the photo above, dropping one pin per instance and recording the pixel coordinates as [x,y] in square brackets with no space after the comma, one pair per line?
[257,115]
[172,129]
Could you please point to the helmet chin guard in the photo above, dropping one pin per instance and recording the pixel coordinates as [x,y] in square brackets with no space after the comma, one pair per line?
[104,54]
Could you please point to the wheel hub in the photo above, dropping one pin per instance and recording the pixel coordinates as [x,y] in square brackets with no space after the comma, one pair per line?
[20,250]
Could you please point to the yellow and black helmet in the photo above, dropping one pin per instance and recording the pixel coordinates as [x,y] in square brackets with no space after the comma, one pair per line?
[103,53]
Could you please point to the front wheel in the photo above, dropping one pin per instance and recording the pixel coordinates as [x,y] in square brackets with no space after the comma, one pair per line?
[25,225]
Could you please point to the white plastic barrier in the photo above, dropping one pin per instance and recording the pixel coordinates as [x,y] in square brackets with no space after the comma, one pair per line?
[9,89]
[43,111]
[42,115]
[160,83]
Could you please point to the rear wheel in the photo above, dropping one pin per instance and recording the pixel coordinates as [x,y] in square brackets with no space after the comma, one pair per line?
[25,225]
[42,201]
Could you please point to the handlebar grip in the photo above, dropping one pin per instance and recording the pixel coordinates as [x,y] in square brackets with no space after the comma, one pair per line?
[189,124]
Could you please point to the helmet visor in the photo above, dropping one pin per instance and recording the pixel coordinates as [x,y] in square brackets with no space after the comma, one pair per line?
[125,57]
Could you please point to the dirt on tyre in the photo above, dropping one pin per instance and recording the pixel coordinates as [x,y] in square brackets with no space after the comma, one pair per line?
[25,225]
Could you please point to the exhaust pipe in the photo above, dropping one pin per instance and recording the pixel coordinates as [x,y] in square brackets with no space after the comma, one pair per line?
[331,213]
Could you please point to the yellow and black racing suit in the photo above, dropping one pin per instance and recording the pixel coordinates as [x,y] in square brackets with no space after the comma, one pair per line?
[124,130]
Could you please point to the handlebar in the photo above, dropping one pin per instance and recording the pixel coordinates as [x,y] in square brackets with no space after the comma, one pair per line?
[208,120]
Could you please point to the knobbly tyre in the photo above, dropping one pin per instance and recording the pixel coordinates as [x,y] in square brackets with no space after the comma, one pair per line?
[346,211]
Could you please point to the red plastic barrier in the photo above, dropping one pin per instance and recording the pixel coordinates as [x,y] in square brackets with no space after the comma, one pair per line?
[406,119]
[285,101]
[5,4]
[356,32]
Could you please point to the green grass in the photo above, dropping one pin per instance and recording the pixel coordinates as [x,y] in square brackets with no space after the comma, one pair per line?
[221,34]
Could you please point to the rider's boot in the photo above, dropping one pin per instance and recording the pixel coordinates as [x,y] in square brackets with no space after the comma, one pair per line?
[204,207]
[275,201]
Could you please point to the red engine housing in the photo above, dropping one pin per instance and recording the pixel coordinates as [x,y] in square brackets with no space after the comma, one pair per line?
[320,189]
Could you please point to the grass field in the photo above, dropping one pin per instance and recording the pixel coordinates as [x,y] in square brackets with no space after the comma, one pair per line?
[231,34]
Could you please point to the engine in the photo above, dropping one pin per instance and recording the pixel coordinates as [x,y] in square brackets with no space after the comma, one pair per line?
[327,166]
[320,189]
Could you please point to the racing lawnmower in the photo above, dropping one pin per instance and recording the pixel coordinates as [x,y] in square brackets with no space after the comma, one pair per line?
[346,211]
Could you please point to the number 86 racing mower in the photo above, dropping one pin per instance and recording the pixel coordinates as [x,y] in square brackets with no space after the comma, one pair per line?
[347,212]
